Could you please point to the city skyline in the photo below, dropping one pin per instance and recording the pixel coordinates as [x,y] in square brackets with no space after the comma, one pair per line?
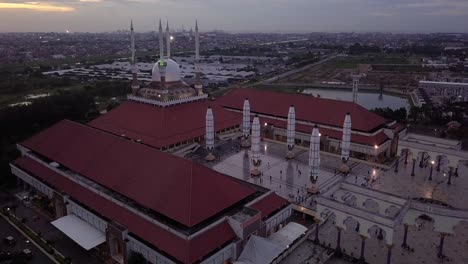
[415,16]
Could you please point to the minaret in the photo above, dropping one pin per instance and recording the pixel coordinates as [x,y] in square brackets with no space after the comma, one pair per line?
[161,43]
[198,83]
[246,123]
[291,132]
[346,143]
[209,137]
[356,78]
[255,147]
[314,159]
[168,40]
[135,85]
[162,64]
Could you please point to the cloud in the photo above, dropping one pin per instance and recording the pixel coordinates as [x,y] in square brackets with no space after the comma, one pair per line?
[37,6]
[91,1]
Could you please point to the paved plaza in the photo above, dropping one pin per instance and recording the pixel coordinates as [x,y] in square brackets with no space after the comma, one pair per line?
[289,178]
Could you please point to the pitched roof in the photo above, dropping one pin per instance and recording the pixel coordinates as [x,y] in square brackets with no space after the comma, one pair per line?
[269,204]
[376,139]
[161,127]
[187,251]
[178,188]
[308,108]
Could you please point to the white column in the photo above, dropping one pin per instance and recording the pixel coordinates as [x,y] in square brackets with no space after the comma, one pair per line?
[314,158]
[209,137]
[198,83]
[255,146]
[291,127]
[355,87]
[246,118]
[161,39]
[346,139]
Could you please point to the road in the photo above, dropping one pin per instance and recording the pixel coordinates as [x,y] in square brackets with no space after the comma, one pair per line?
[7,230]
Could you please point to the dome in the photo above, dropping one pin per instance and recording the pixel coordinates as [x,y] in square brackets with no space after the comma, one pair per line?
[172,71]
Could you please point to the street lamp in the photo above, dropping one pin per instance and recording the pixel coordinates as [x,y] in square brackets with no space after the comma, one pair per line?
[414,164]
[375,149]
[432,167]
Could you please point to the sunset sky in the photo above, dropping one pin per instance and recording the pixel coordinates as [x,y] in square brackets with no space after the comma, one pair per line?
[238,15]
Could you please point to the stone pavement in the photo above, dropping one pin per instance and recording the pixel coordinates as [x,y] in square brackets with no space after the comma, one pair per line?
[288,178]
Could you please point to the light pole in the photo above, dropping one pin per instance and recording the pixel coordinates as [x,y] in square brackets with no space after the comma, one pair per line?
[414,164]
[375,150]
[430,173]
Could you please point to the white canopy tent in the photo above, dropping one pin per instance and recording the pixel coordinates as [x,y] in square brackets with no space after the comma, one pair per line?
[286,235]
[259,250]
[79,231]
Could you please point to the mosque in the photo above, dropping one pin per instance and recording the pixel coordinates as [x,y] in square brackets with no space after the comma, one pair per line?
[121,183]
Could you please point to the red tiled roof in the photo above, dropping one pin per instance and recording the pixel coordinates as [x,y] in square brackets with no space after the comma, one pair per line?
[269,204]
[307,108]
[161,127]
[187,251]
[377,139]
[178,188]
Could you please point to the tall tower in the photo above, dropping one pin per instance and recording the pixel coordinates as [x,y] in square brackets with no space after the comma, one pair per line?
[314,159]
[255,147]
[198,83]
[162,64]
[161,39]
[168,40]
[356,78]
[209,136]
[246,120]
[135,85]
[346,143]
[291,133]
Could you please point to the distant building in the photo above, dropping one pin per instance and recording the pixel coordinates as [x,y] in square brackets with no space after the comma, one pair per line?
[445,90]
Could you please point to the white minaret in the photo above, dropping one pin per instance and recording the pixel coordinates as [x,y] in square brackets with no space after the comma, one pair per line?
[198,83]
[246,124]
[162,64]
[314,159]
[255,147]
[135,85]
[346,139]
[161,39]
[168,40]
[356,78]
[209,137]
[246,118]
[346,143]
[291,133]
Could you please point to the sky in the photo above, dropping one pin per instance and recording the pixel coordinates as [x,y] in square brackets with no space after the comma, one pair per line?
[402,16]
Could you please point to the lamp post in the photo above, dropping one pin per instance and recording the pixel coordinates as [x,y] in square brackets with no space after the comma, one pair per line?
[430,173]
[375,150]
[406,156]
[450,176]
[414,164]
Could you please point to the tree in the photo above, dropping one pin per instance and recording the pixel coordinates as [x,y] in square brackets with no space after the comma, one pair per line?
[136,258]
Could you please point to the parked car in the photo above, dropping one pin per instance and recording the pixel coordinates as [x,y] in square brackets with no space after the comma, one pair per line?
[5,255]
[9,240]
[27,253]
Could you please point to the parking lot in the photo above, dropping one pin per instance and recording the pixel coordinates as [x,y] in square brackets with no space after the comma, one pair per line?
[21,243]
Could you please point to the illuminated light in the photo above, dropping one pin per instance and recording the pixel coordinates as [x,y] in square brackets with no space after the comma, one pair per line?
[320,134]
[265,124]
[171,37]
[432,162]
[376,147]
[67,31]
[36,7]
[374,172]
